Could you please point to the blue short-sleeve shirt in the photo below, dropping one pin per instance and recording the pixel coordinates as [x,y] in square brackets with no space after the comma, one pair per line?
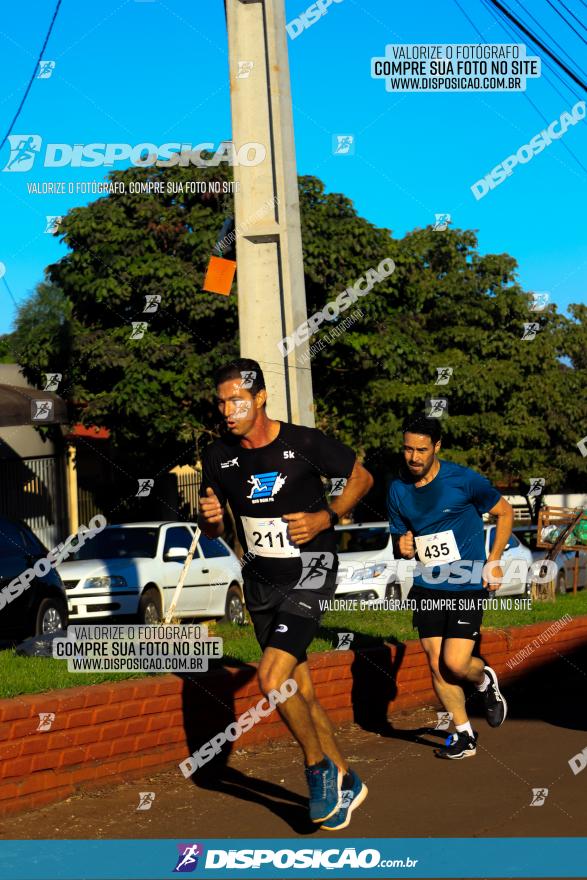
[454,500]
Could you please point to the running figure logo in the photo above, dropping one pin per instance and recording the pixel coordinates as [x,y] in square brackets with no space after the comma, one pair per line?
[52,381]
[441,222]
[337,485]
[443,720]
[145,487]
[23,151]
[146,799]
[187,861]
[41,410]
[539,795]
[436,408]
[152,301]
[265,485]
[46,68]
[539,302]
[315,567]
[46,719]
[530,331]
[345,641]
[582,446]
[343,144]
[52,222]
[139,328]
[444,374]
[537,485]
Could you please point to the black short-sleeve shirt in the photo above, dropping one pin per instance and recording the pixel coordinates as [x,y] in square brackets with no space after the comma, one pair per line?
[263,484]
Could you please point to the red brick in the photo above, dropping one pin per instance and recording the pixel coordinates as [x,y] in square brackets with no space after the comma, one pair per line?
[173,703]
[73,755]
[167,685]
[69,700]
[38,782]
[124,691]
[24,727]
[112,712]
[139,725]
[113,731]
[124,744]
[82,774]
[35,801]
[11,710]
[128,764]
[59,740]
[85,735]
[17,767]
[98,695]
[170,736]
[79,718]
[146,741]
[8,790]
[32,745]
[156,704]
[99,750]
[156,722]
[46,761]
[131,710]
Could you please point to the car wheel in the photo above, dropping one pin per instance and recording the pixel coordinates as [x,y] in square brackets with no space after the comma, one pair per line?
[150,607]
[51,616]
[235,606]
[561,583]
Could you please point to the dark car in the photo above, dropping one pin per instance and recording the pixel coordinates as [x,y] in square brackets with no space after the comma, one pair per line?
[42,607]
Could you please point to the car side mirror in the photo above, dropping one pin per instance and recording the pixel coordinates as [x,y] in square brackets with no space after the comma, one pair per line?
[175,554]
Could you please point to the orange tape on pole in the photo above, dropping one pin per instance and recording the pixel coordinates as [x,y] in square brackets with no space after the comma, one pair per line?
[220,275]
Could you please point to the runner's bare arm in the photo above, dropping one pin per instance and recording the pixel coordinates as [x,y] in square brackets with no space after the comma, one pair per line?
[211,517]
[504,514]
[303,527]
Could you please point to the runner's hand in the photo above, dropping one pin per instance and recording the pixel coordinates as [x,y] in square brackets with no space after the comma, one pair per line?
[302,527]
[407,547]
[495,572]
[211,510]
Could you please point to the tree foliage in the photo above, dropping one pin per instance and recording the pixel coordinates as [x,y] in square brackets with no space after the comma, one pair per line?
[517,408]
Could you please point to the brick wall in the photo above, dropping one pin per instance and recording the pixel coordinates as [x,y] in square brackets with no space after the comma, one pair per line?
[118,730]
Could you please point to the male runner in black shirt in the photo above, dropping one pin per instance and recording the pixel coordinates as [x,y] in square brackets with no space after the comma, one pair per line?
[270,474]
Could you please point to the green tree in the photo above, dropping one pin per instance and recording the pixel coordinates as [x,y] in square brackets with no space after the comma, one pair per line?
[516,407]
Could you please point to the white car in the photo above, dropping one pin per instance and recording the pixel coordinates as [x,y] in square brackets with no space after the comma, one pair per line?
[366,565]
[132,569]
[368,571]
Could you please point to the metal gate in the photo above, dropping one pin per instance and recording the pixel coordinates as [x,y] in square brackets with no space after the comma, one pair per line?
[33,490]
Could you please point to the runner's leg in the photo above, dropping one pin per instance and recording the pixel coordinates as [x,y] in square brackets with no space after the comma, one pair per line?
[275,668]
[319,717]
[450,695]
[457,656]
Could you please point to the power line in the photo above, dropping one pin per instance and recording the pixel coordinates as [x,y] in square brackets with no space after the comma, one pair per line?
[571,13]
[542,116]
[10,292]
[567,22]
[502,21]
[28,88]
[538,42]
[552,39]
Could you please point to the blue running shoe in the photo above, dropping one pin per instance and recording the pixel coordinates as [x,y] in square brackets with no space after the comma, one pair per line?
[324,785]
[350,799]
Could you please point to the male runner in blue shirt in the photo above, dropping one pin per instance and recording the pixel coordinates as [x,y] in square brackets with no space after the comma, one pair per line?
[435,512]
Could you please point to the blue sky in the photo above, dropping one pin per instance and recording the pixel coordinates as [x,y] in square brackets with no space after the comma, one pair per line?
[135,72]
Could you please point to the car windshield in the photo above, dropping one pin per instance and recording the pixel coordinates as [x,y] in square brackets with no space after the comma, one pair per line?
[115,543]
[358,540]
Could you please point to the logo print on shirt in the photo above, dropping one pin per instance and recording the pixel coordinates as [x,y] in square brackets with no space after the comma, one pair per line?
[265,486]
[230,463]
[288,454]
[282,628]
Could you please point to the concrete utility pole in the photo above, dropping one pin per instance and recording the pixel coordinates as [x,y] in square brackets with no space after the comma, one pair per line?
[270,274]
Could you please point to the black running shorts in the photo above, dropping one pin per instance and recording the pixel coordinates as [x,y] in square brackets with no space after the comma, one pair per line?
[452,614]
[294,617]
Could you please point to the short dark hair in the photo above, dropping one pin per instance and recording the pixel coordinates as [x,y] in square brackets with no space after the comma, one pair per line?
[420,423]
[245,369]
